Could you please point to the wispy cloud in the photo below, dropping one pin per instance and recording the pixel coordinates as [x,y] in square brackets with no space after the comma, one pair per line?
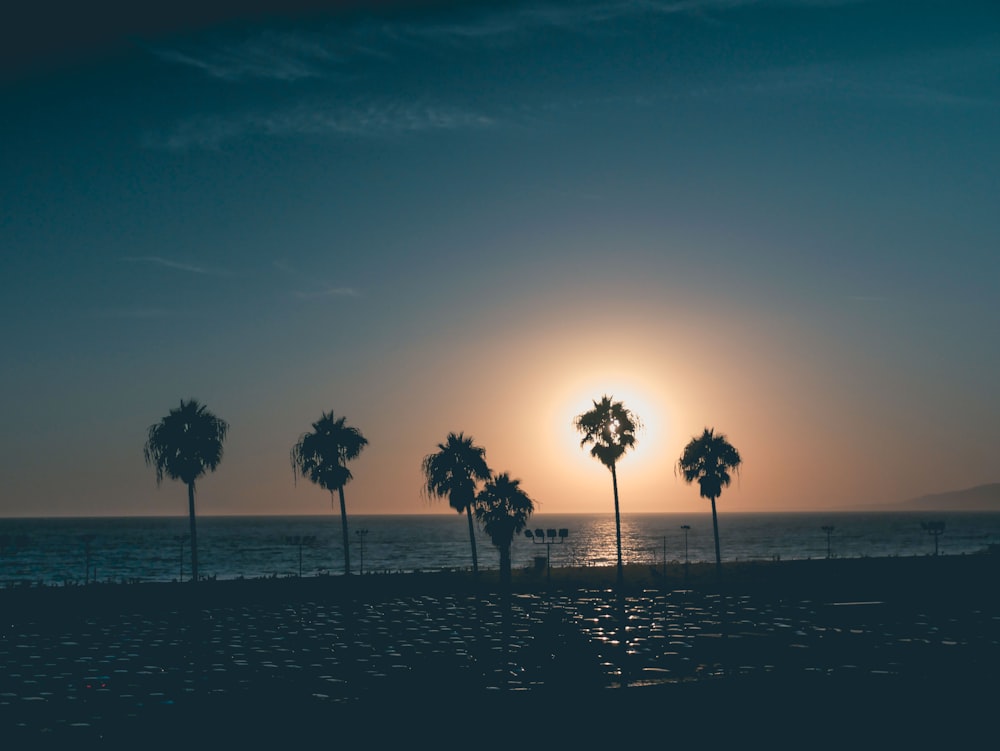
[318,290]
[505,23]
[373,120]
[353,108]
[288,56]
[325,50]
[175,265]
[946,78]
[328,50]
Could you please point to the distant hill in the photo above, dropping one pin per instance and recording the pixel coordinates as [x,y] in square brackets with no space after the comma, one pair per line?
[979,498]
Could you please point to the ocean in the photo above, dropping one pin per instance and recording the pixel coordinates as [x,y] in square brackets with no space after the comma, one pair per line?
[57,551]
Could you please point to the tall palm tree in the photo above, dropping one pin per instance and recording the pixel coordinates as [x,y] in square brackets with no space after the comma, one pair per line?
[611,429]
[183,446]
[502,509]
[709,459]
[321,457]
[454,470]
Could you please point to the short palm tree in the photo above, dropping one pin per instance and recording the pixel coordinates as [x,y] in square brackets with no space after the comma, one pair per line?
[611,429]
[502,509]
[454,471]
[709,459]
[183,446]
[321,457]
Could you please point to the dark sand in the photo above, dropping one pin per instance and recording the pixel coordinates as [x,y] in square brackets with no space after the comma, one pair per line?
[857,652]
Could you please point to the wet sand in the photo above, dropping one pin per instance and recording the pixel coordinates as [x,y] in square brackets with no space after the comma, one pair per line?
[858,651]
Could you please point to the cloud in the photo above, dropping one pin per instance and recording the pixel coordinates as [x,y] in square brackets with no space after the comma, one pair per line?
[508,23]
[945,78]
[322,291]
[175,265]
[269,55]
[325,51]
[373,120]
[320,52]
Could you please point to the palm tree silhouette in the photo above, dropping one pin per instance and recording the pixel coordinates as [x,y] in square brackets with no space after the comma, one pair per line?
[454,471]
[321,457]
[709,459]
[183,446]
[611,428]
[502,509]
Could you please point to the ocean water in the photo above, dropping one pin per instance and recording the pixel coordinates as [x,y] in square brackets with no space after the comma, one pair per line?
[64,551]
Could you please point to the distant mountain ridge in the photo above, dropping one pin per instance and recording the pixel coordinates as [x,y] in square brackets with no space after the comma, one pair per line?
[979,498]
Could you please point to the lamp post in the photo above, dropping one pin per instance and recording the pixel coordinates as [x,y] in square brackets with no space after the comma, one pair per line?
[829,531]
[361,540]
[686,528]
[300,540]
[548,538]
[935,530]
[180,540]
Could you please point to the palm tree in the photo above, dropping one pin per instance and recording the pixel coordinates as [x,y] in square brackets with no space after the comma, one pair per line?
[502,509]
[454,471]
[611,428]
[709,459]
[183,446]
[321,457]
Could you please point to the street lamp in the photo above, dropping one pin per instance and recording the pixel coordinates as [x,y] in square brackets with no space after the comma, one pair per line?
[548,538]
[300,540]
[829,531]
[935,530]
[361,539]
[181,539]
[686,528]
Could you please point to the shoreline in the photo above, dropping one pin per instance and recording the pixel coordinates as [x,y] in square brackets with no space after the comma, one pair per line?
[943,579]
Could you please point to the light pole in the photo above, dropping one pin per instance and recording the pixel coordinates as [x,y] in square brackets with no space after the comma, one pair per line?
[361,539]
[935,530]
[686,528]
[548,538]
[829,531]
[180,540]
[300,540]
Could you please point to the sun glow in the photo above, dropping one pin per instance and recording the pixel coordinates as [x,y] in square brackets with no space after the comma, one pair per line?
[639,398]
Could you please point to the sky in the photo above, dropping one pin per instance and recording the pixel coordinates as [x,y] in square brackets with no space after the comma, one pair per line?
[774,218]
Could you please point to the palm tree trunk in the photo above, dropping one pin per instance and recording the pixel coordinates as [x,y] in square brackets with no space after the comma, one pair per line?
[194,533]
[343,524]
[618,528]
[505,567]
[472,542]
[715,528]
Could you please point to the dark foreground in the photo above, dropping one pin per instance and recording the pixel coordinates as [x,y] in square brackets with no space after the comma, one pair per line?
[860,653]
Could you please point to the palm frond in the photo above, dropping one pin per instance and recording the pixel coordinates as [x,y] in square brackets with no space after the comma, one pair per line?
[609,428]
[454,470]
[502,509]
[322,455]
[708,460]
[186,443]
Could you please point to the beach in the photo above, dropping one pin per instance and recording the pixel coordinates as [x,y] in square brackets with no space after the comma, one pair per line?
[863,649]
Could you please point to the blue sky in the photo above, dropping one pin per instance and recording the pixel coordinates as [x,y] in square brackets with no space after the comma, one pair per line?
[777,219]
